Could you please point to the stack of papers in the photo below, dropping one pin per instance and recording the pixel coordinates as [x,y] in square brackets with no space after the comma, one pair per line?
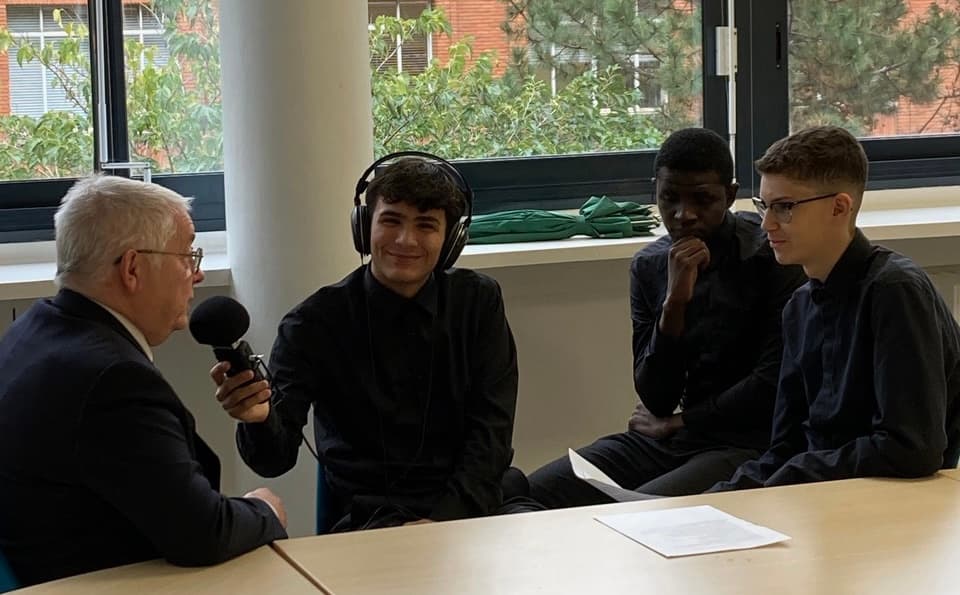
[691,530]
[675,531]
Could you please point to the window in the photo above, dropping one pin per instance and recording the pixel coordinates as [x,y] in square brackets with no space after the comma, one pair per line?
[403,51]
[542,102]
[160,103]
[895,74]
[546,102]
[562,65]
[45,107]
[887,70]
[142,26]
[558,84]
[35,88]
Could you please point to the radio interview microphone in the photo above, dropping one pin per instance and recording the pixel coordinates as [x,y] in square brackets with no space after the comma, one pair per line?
[220,322]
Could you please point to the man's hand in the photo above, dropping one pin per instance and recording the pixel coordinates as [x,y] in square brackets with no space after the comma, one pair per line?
[250,403]
[273,500]
[688,256]
[650,425]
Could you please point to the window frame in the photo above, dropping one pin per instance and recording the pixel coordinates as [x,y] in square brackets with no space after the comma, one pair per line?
[561,181]
[428,42]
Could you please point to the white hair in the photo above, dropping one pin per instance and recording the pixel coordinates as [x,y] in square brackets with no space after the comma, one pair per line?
[102,216]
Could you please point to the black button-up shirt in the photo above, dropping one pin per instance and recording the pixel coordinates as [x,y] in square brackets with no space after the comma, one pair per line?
[870,378]
[723,370]
[413,399]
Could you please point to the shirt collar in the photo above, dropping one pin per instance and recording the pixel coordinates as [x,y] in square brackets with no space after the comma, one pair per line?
[387,299]
[131,328]
[750,239]
[849,269]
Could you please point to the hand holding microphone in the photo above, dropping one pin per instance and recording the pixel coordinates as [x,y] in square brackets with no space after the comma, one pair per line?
[241,389]
[242,398]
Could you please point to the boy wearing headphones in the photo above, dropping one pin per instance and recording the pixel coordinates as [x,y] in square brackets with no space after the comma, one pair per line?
[410,365]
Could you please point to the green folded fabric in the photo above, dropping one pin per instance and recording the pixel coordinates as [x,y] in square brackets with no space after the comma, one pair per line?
[599,217]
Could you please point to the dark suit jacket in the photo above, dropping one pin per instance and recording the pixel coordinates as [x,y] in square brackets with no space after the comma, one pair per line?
[100,463]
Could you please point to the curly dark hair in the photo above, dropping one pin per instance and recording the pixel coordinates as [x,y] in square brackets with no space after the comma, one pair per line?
[696,149]
[419,182]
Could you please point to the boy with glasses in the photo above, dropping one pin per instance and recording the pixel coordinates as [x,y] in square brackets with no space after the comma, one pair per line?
[705,304]
[871,362]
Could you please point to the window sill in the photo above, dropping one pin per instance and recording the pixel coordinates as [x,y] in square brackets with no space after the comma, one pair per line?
[934,216]
[934,213]
[28,270]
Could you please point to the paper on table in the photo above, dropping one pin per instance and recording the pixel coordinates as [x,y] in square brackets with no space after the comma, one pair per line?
[691,530]
[586,471]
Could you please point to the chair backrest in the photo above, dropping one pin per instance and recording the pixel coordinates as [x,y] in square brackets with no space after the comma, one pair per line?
[7,580]
[323,520]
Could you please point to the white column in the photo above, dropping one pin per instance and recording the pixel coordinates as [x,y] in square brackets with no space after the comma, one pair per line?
[297,130]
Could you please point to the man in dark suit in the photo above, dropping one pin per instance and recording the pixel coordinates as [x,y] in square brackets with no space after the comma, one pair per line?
[100,463]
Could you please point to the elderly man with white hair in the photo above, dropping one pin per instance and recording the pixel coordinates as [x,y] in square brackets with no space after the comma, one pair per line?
[100,463]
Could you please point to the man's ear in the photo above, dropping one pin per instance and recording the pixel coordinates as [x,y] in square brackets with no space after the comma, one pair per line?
[732,193]
[130,270]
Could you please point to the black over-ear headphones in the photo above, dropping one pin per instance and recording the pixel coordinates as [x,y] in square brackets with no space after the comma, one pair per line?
[361,217]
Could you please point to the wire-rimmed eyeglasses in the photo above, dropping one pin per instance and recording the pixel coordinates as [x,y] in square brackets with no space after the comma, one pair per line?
[195,256]
[783,209]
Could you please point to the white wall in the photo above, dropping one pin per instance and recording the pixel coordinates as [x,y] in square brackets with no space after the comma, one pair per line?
[297,132]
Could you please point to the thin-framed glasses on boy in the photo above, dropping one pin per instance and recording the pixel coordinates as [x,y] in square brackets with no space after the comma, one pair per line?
[783,209]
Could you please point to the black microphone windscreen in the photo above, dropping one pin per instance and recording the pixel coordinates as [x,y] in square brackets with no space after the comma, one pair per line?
[219,321]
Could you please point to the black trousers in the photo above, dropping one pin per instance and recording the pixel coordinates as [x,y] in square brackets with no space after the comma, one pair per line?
[677,466]
[376,512]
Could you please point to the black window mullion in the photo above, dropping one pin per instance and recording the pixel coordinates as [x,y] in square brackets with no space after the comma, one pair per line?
[714,86]
[763,85]
[117,131]
[93,43]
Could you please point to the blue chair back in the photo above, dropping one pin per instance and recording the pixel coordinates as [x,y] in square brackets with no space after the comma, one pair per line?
[323,520]
[7,581]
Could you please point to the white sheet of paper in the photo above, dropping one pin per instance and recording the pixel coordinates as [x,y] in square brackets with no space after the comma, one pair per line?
[586,471]
[691,530]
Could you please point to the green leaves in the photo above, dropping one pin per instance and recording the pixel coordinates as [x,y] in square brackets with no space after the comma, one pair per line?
[174,113]
[853,61]
[610,60]
[462,106]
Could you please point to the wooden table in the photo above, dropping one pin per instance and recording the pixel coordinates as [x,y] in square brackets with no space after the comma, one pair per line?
[259,572]
[951,473]
[855,536]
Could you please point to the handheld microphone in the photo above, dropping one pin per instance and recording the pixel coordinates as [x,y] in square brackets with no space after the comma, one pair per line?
[220,322]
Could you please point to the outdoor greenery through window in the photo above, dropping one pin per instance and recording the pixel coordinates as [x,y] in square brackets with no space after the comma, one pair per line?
[545,102]
[876,67]
[535,77]
[172,57]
